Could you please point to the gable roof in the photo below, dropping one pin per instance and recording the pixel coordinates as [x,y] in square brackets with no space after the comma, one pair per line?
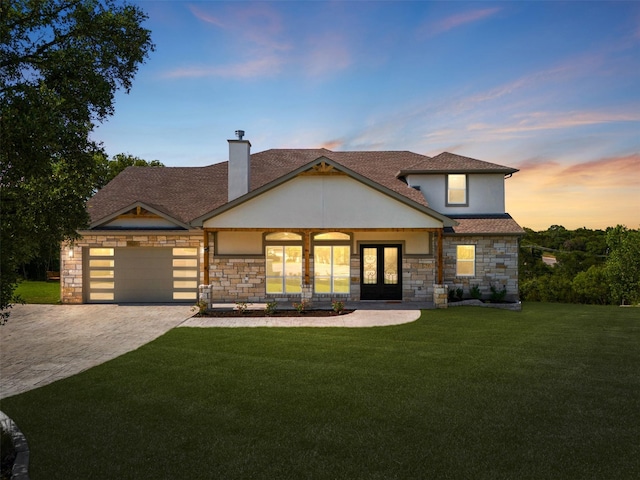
[447,162]
[389,185]
[159,211]
[187,194]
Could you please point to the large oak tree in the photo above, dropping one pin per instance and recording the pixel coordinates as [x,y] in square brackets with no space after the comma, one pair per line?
[61,63]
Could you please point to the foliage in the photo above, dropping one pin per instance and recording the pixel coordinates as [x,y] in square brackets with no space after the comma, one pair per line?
[592,286]
[271,307]
[200,306]
[337,306]
[593,266]
[242,306]
[475,292]
[548,392]
[110,168]
[623,266]
[302,305]
[497,296]
[61,62]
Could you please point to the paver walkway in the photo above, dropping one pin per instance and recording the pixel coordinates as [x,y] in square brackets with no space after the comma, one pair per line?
[44,343]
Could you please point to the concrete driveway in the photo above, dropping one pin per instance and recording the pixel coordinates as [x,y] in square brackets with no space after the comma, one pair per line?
[44,343]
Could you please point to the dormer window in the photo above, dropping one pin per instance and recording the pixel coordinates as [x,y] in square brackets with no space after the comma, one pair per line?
[457,190]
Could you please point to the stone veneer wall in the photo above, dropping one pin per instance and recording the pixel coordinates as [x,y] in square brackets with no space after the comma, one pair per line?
[496,264]
[71,268]
[418,278]
[233,279]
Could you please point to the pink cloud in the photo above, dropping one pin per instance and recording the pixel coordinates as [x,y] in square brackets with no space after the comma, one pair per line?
[206,17]
[251,68]
[535,121]
[458,20]
[332,144]
[595,194]
[608,172]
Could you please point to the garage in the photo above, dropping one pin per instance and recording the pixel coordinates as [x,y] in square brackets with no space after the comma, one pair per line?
[141,275]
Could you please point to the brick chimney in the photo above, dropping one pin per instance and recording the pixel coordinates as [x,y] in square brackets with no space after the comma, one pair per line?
[239,166]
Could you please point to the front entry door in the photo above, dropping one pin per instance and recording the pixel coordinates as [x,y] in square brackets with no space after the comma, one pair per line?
[381,272]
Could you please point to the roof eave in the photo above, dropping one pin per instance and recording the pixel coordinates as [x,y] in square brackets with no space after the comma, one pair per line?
[505,171]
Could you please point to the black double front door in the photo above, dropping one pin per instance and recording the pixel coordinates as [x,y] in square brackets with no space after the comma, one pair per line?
[381,272]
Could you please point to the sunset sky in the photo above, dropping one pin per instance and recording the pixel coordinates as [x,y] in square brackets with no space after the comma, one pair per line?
[551,88]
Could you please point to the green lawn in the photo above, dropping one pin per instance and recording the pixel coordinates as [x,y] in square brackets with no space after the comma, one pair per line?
[551,392]
[39,292]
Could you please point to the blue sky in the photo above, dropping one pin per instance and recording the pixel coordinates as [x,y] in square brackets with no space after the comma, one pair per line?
[551,88]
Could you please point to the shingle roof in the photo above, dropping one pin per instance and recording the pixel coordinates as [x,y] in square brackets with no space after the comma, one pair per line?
[484,225]
[452,163]
[187,193]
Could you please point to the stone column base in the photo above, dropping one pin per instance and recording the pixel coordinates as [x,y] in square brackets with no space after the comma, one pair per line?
[440,296]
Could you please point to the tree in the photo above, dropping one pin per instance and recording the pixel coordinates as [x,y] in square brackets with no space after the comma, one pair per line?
[109,169]
[61,62]
[623,265]
[592,286]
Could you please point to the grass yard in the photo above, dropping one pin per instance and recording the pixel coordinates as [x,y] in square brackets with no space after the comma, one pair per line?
[39,292]
[552,392]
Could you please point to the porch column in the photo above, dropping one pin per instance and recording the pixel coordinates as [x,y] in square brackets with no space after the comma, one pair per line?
[307,254]
[206,256]
[440,258]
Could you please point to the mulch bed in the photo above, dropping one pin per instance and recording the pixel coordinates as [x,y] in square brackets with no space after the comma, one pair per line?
[278,313]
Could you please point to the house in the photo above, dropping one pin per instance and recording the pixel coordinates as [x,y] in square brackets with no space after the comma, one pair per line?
[290,224]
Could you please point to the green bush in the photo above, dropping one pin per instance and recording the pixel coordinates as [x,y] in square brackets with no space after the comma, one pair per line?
[592,286]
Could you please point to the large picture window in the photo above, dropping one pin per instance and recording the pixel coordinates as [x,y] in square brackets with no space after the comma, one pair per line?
[457,190]
[331,267]
[466,260]
[283,253]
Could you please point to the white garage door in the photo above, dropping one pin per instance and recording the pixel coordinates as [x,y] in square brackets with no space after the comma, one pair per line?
[141,275]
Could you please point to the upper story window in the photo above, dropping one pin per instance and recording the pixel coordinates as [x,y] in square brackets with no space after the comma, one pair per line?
[457,190]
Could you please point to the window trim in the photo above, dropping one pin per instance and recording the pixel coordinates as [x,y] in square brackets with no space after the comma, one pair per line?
[466,191]
[266,243]
[473,261]
[332,276]
[284,276]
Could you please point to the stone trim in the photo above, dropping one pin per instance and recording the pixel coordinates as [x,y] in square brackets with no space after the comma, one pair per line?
[20,470]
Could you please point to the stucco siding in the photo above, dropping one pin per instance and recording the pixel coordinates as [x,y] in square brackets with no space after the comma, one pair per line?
[323,202]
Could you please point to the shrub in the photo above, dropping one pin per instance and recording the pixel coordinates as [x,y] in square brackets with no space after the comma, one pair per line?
[497,296]
[302,305]
[242,306]
[475,292]
[271,308]
[201,306]
[592,286]
[338,306]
